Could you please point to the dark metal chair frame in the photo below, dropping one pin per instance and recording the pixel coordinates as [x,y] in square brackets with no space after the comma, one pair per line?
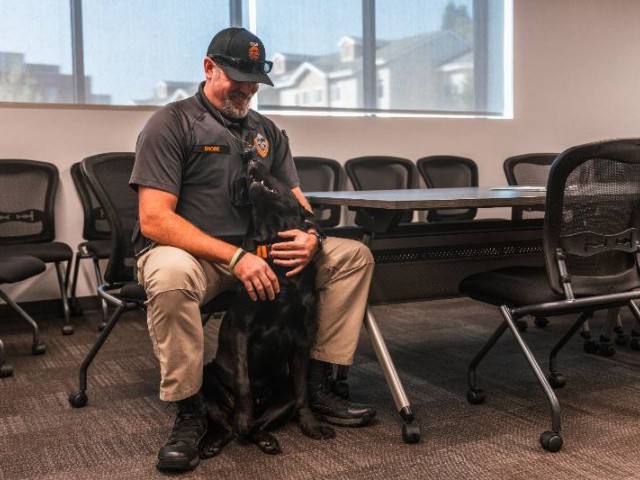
[120,288]
[592,252]
[431,168]
[512,166]
[15,269]
[313,166]
[97,242]
[40,244]
[382,164]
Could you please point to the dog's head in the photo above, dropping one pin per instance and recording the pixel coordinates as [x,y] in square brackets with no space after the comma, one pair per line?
[274,206]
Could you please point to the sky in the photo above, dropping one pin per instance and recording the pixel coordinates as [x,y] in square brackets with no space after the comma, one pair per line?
[131,44]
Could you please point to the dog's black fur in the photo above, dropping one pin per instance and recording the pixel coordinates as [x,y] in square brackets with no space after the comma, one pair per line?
[258,379]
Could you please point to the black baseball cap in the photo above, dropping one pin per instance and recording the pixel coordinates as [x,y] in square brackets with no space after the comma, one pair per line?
[241,55]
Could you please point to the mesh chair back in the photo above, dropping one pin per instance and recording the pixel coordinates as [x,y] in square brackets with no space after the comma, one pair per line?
[375,172]
[95,225]
[593,217]
[27,201]
[319,174]
[449,171]
[108,174]
[531,169]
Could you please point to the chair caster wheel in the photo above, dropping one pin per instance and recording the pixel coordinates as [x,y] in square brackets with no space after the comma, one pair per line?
[586,335]
[618,329]
[551,441]
[67,330]
[475,396]
[622,339]
[522,325]
[38,348]
[541,322]
[6,371]
[410,433]
[101,326]
[556,380]
[590,346]
[78,399]
[606,350]
[635,344]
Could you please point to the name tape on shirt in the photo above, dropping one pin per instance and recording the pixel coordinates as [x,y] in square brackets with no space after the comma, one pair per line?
[212,148]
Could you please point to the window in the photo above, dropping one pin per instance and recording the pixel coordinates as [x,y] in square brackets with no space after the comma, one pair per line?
[374,57]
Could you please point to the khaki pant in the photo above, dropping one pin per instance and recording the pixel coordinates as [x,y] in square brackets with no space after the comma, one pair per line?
[178,283]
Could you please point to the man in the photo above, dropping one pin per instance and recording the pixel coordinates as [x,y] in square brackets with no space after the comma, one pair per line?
[189,173]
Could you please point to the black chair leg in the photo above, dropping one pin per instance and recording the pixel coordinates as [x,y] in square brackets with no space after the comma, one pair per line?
[78,398]
[551,440]
[37,347]
[67,328]
[476,395]
[73,300]
[6,370]
[103,302]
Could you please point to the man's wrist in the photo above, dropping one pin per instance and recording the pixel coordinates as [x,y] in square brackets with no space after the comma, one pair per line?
[240,252]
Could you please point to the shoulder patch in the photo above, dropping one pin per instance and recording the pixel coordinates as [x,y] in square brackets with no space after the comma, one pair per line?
[261,144]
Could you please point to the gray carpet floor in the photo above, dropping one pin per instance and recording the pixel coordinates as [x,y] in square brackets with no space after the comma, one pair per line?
[117,435]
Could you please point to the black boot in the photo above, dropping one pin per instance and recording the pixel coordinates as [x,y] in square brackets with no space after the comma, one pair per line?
[182,450]
[328,406]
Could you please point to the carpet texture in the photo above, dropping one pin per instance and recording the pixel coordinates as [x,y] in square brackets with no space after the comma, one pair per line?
[117,435]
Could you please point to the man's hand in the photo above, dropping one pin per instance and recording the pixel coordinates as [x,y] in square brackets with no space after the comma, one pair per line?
[297,252]
[256,276]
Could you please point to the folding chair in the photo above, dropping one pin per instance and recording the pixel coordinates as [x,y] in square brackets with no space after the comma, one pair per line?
[96,234]
[27,219]
[449,171]
[591,245]
[15,269]
[108,174]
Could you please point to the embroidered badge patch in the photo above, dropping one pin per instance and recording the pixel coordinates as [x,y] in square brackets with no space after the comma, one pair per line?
[261,144]
[254,51]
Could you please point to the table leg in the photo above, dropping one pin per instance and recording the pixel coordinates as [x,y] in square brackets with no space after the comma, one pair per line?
[410,431]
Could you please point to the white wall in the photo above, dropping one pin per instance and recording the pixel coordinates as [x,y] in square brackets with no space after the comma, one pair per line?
[577,73]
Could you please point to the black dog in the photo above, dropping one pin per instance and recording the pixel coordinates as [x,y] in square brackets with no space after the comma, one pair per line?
[258,379]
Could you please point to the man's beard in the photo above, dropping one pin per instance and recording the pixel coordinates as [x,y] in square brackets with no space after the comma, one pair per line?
[229,110]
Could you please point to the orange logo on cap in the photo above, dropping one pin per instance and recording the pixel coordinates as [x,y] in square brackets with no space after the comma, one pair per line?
[254,51]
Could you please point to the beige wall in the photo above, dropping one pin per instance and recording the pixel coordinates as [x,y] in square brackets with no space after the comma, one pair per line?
[576,80]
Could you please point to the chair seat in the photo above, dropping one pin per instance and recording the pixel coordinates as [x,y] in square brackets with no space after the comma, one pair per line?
[15,269]
[99,248]
[511,286]
[47,251]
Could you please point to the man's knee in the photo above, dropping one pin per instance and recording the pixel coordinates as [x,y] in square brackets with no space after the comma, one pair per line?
[170,270]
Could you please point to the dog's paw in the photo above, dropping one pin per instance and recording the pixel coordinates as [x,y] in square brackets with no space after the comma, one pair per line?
[267,442]
[215,442]
[317,431]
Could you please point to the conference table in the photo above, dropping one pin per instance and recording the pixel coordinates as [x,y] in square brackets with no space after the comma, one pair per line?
[379,211]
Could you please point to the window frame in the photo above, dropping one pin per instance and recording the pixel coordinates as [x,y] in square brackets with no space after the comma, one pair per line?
[370,78]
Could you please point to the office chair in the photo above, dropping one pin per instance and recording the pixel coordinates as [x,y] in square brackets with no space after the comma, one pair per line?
[15,269]
[377,172]
[27,219]
[530,169]
[449,171]
[96,234]
[108,174]
[318,174]
[591,246]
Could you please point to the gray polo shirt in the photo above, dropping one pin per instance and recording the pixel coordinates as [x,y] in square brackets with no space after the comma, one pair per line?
[190,151]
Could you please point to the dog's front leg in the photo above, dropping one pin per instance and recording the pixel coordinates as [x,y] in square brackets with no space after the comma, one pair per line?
[299,367]
[243,413]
